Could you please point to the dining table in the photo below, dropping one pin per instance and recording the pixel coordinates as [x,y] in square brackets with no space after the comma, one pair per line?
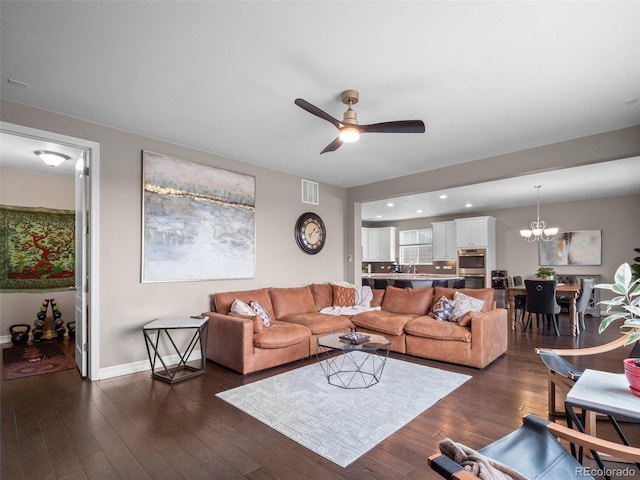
[569,291]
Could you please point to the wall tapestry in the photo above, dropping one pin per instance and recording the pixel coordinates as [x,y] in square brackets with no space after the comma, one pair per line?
[37,249]
[573,248]
[198,221]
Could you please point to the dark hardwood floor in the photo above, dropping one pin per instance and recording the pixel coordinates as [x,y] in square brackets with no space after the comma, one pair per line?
[57,426]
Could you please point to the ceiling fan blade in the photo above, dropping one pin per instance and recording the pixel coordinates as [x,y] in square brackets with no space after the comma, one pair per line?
[333,146]
[317,112]
[401,126]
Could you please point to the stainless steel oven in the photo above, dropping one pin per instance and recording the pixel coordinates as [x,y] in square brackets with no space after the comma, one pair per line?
[472,266]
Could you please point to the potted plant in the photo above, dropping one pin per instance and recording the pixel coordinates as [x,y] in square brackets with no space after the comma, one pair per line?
[546,273]
[627,290]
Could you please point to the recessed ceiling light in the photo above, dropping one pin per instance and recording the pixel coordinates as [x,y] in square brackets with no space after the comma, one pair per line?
[390,204]
[468,204]
[418,211]
[378,216]
[443,196]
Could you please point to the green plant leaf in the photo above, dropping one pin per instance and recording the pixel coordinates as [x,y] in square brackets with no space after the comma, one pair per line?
[607,321]
[632,338]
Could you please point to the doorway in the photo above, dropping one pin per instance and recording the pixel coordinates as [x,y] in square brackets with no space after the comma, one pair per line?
[87,199]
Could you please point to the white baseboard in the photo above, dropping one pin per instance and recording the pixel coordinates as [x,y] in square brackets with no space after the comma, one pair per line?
[141,366]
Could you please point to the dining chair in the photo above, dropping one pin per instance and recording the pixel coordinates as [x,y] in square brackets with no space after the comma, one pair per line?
[458,283]
[441,283]
[541,300]
[534,450]
[582,303]
[519,300]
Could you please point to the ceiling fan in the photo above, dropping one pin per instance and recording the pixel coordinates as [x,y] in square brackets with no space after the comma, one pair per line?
[350,130]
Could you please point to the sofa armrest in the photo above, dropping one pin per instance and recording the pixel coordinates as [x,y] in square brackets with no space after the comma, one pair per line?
[230,341]
[490,334]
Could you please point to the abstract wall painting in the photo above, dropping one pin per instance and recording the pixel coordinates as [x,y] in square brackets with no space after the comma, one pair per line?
[198,221]
[582,247]
[37,249]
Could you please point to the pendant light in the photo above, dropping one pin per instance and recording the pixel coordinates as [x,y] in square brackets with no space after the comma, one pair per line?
[539,230]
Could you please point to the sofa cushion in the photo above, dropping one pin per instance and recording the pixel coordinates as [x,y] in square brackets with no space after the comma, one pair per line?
[407,300]
[343,296]
[486,294]
[463,304]
[383,321]
[378,296]
[288,301]
[442,309]
[319,323]
[322,295]
[425,326]
[258,326]
[280,335]
[222,301]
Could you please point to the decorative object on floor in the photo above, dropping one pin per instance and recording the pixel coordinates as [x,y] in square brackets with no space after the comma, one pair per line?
[19,333]
[27,360]
[198,222]
[573,248]
[349,128]
[539,230]
[71,327]
[39,245]
[338,424]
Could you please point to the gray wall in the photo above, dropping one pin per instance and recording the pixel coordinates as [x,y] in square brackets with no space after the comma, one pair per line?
[126,303]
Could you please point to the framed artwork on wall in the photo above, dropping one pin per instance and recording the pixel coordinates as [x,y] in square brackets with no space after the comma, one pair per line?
[198,221]
[583,247]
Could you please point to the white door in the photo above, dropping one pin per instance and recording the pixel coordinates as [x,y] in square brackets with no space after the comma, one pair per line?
[82,272]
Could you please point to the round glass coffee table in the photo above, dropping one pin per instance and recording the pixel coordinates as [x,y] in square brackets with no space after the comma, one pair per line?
[349,365]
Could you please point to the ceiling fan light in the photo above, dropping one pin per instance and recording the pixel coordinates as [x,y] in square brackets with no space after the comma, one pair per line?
[349,134]
[53,159]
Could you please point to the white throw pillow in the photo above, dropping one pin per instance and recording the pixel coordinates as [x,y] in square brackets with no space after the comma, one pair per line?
[464,304]
[241,308]
[258,309]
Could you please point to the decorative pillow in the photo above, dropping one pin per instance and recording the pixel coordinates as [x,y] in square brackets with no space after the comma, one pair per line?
[241,308]
[259,310]
[364,295]
[442,309]
[343,296]
[464,304]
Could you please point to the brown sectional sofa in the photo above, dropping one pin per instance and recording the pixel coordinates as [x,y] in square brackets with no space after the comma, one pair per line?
[242,344]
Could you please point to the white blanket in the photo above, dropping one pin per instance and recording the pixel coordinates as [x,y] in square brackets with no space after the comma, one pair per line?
[350,310]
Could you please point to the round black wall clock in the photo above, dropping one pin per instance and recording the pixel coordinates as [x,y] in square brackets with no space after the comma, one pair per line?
[310,233]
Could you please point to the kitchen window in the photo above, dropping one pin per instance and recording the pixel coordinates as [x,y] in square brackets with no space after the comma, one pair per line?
[416,247]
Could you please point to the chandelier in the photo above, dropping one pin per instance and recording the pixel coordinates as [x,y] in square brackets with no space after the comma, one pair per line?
[539,230]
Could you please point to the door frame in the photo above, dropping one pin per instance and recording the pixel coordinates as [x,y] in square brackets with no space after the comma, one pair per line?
[93,301]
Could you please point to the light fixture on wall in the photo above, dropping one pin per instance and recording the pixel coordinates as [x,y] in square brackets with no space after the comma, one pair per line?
[539,230]
[53,159]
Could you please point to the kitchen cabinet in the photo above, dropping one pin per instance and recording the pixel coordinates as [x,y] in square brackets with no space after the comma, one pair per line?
[475,232]
[444,241]
[379,244]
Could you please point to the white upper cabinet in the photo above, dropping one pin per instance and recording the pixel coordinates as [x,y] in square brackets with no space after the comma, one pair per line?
[379,244]
[475,231]
[444,241]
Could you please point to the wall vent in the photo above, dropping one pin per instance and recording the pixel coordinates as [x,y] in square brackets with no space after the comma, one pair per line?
[310,192]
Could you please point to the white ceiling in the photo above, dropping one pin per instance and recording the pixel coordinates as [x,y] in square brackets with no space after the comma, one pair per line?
[487,78]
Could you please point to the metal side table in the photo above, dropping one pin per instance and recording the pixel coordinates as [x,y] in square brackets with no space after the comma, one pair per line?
[182,371]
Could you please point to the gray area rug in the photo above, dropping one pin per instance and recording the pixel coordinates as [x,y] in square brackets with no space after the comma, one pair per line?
[338,424]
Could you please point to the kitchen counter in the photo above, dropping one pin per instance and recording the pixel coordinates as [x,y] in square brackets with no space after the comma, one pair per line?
[412,276]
